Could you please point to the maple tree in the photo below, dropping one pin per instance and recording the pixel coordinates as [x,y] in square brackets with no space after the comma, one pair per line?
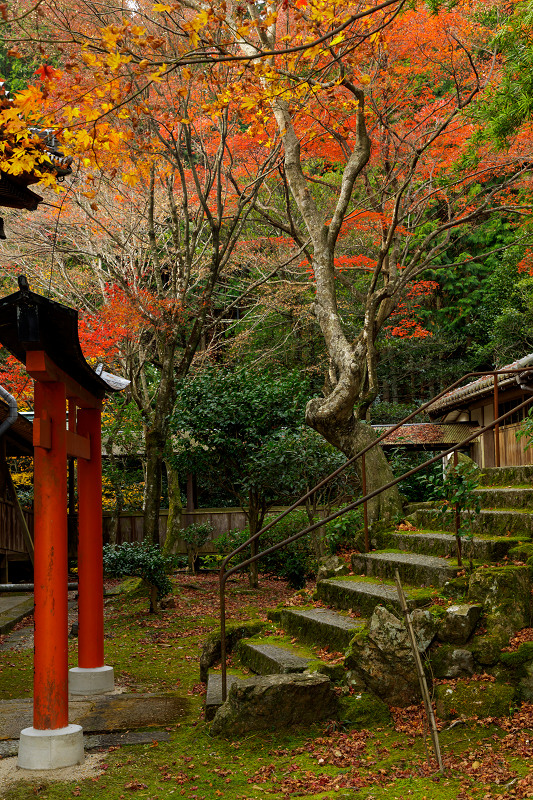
[367,108]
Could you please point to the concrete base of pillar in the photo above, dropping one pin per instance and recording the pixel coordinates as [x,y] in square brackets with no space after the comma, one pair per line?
[50,749]
[96,680]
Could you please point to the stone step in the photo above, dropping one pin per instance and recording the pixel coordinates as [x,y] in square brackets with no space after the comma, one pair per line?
[442,544]
[507,476]
[320,626]
[413,568]
[505,497]
[213,696]
[489,522]
[359,595]
[269,659]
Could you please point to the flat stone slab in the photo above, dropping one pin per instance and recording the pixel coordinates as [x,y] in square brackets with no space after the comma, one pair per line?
[443,544]
[506,476]
[414,568]
[489,522]
[505,497]
[268,659]
[354,594]
[10,747]
[213,697]
[13,609]
[112,712]
[320,626]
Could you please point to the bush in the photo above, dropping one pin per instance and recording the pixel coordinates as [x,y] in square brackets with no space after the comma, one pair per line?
[341,533]
[140,561]
[414,489]
[195,536]
[294,562]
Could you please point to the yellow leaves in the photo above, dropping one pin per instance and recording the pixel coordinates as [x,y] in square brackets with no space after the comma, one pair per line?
[29,99]
[114,60]
[72,113]
[48,179]
[160,8]
[130,178]
[90,59]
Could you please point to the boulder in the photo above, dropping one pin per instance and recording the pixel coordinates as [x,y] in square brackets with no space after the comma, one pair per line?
[275,702]
[486,649]
[521,663]
[448,661]
[381,659]
[331,567]
[479,699]
[458,622]
[505,594]
[425,628]
[234,633]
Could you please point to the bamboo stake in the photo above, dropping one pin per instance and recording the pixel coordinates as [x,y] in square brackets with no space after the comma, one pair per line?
[420,672]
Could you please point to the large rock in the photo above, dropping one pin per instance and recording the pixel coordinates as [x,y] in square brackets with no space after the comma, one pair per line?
[448,661]
[474,699]
[521,663]
[331,567]
[505,594]
[382,660]
[458,622]
[234,633]
[275,702]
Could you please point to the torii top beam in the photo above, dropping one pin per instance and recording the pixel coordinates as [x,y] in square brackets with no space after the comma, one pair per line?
[43,335]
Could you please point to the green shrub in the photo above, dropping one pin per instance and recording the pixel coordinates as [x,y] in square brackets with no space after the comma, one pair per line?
[144,561]
[195,536]
[341,533]
[294,562]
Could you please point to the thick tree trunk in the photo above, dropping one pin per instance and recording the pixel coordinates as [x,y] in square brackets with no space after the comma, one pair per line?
[350,436]
[175,508]
[155,436]
[154,442]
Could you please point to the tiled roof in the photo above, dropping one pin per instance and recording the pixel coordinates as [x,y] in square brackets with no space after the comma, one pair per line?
[479,388]
[426,434]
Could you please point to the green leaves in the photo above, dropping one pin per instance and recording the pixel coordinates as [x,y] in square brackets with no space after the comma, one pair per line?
[144,561]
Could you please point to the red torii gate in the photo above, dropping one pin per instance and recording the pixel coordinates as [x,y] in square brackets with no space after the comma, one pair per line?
[43,335]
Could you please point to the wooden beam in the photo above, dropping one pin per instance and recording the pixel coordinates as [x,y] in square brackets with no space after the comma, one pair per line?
[41,368]
[42,433]
[78,446]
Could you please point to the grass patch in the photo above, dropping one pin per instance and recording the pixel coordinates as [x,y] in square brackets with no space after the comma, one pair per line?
[161,653]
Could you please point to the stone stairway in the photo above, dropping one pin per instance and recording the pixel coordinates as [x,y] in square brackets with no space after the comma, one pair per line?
[425,558]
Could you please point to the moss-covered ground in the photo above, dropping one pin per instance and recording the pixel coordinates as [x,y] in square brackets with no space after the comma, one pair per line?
[161,652]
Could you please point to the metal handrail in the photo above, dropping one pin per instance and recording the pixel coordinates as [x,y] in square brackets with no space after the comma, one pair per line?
[225,574]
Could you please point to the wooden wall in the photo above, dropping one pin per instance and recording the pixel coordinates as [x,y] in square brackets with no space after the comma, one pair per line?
[11,537]
[513,452]
[130,528]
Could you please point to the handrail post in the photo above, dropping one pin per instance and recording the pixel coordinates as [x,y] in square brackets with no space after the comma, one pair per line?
[497,425]
[457,518]
[223,635]
[365,505]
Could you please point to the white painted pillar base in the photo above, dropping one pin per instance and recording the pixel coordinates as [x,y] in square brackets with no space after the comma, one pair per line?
[50,749]
[95,680]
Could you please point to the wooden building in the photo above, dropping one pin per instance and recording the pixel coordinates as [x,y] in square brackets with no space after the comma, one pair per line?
[14,549]
[474,404]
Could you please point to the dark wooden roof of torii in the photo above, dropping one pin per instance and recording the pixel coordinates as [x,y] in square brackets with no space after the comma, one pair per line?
[29,321]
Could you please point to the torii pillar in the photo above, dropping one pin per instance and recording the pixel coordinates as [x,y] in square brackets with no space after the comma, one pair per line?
[42,333]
